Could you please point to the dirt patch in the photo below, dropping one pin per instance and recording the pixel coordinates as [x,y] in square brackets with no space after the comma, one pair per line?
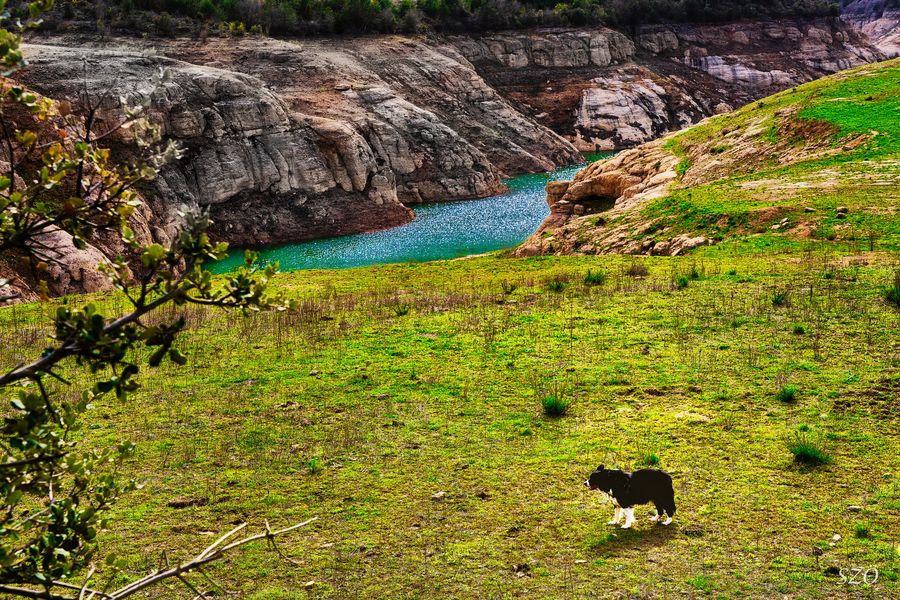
[796,129]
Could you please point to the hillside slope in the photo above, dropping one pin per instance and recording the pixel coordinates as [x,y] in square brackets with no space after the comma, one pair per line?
[820,161]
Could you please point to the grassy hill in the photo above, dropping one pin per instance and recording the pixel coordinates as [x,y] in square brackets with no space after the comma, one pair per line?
[772,175]
[404,405]
[794,159]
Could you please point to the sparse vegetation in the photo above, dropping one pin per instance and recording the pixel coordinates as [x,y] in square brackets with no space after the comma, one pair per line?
[408,16]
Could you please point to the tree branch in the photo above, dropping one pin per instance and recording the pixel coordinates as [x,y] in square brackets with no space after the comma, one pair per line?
[212,553]
[43,364]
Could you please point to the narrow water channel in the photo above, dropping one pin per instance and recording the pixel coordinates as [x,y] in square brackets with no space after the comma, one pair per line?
[440,231]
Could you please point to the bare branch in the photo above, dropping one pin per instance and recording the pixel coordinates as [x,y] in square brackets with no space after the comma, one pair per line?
[26,593]
[201,559]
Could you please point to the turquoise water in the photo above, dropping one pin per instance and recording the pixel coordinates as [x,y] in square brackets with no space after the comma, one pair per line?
[440,231]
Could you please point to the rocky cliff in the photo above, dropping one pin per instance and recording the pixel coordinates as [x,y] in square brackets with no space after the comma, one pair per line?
[879,20]
[287,142]
[603,91]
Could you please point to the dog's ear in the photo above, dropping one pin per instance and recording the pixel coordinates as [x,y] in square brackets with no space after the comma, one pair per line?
[600,468]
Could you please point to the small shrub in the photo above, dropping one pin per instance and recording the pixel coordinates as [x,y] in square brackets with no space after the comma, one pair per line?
[780,298]
[650,459]
[682,282]
[695,272]
[165,25]
[732,272]
[799,329]
[787,393]
[807,451]
[508,287]
[554,406]
[637,269]
[314,466]
[401,309]
[892,291]
[557,285]
[595,278]
[861,530]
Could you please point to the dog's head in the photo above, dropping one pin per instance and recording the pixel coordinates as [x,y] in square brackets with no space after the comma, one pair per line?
[601,479]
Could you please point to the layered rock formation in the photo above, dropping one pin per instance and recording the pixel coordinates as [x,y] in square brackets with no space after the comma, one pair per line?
[879,20]
[626,94]
[296,142]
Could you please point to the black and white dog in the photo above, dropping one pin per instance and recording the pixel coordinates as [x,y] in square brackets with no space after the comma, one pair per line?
[627,489]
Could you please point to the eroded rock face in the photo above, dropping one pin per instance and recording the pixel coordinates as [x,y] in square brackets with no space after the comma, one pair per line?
[553,49]
[243,144]
[287,142]
[879,21]
[626,110]
[675,76]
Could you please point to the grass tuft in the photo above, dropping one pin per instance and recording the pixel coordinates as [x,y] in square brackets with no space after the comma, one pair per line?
[892,291]
[650,459]
[594,278]
[554,406]
[807,450]
[508,287]
[787,393]
[557,284]
[637,269]
[314,466]
[780,298]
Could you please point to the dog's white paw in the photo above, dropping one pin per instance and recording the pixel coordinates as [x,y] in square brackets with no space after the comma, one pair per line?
[626,526]
[654,518]
[667,521]
[613,522]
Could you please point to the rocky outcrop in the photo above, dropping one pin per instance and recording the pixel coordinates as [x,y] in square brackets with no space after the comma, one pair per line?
[602,193]
[879,20]
[672,77]
[550,49]
[625,110]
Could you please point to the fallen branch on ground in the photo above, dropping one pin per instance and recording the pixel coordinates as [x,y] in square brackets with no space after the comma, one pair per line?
[213,552]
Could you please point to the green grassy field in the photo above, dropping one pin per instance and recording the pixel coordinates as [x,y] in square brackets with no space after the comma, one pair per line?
[781,168]
[402,406]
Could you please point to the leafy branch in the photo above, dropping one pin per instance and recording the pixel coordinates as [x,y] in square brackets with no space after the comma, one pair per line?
[60,188]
